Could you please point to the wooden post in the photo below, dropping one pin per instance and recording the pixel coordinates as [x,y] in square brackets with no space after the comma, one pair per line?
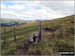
[26,44]
[53,34]
[14,34]
[61,31]
[4,37]
[39,30]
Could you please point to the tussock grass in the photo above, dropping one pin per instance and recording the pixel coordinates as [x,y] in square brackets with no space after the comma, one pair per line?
[48,45]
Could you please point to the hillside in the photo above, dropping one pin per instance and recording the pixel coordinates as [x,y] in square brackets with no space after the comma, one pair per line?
[48,44]
[12,22]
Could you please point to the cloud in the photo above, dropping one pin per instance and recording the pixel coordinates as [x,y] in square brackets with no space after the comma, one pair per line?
[32,10]
[65,7]
[3,6]
[17,7]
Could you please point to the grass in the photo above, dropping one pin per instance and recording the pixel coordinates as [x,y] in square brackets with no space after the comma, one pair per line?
[48,45]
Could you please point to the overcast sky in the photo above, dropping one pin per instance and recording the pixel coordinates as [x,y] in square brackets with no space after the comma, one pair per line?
[33,10]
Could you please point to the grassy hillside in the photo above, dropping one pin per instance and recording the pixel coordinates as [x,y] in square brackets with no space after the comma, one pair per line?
[48,44]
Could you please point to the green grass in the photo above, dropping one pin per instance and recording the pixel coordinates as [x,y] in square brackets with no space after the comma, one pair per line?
[47,45]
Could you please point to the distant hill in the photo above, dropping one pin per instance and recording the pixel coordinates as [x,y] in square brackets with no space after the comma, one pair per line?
[12,22]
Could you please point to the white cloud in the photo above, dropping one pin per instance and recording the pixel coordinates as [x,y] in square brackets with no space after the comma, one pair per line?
[65,7]
[3,6]
[27,9]
[16,7]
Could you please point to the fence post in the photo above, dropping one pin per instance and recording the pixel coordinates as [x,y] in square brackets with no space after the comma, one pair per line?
[59,53]
[14,34]
[53,34]
[39,30]
[4,37]
[26,44]
[61,31]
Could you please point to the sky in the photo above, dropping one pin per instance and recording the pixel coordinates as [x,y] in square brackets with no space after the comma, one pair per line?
[36,10]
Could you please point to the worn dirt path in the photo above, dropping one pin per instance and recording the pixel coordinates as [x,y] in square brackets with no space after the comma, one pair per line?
[22,49]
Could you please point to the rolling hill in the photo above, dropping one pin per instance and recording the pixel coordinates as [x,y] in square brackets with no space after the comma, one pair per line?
[48,45]
[12,22]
